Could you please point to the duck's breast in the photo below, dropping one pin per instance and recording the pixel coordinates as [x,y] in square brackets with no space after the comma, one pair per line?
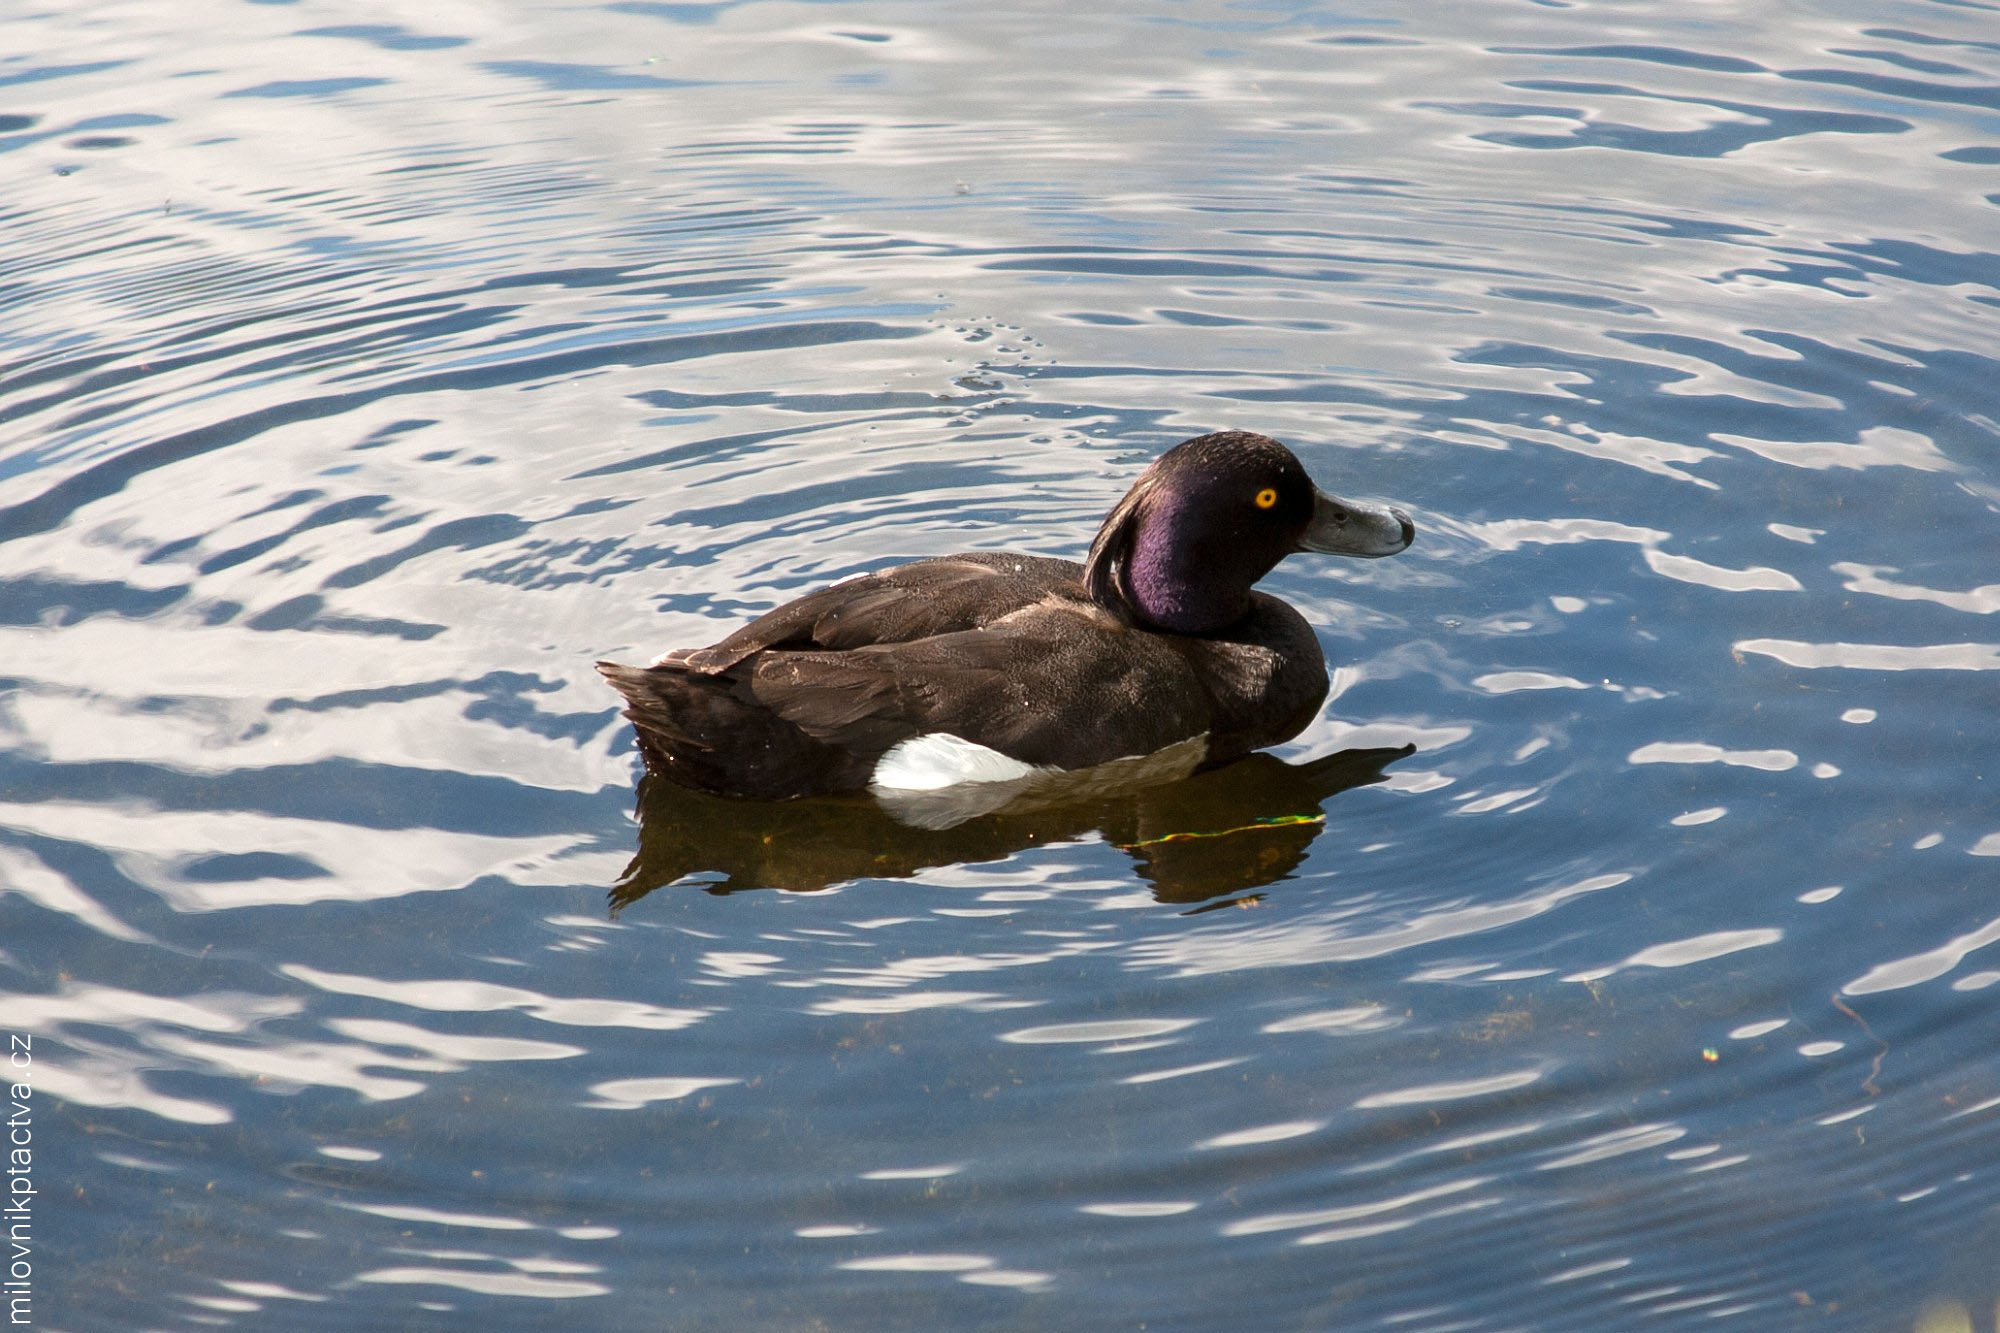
[1264,678]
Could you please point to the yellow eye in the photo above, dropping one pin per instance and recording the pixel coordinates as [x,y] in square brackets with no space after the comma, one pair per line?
[1266,498]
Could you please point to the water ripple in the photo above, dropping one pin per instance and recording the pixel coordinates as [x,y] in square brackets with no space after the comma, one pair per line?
[365,381]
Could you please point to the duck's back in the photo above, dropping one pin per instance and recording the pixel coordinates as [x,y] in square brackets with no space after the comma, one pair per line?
[900,605]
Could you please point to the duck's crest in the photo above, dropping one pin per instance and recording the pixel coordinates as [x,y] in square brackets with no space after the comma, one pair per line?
[1105,568]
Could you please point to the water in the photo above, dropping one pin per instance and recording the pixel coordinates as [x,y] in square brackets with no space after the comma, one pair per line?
[367,377]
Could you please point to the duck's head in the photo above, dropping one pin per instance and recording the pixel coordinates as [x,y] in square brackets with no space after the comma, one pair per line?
[1209,518]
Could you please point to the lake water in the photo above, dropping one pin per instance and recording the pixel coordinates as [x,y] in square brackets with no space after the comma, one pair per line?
[370,370]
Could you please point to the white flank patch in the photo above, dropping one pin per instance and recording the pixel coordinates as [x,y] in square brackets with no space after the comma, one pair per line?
[938,781]
[937,759]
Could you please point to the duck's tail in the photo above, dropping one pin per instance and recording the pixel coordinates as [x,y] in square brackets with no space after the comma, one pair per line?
[710,733]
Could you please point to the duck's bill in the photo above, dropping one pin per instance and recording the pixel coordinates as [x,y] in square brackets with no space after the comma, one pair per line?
[1349,527]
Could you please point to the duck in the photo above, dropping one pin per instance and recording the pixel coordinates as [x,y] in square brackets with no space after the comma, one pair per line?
[1004,674]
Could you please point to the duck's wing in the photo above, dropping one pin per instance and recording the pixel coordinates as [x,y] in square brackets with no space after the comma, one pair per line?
[1058,683]
[895,606]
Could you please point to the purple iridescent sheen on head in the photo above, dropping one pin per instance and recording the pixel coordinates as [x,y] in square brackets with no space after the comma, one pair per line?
[1209,518]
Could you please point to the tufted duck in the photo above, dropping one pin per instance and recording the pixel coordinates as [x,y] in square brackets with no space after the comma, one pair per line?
[1007,675]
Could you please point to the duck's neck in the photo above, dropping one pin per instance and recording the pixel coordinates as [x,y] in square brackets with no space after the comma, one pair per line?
[1181,587]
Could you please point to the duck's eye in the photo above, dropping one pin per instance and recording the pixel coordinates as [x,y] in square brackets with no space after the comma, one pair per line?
[1266,498]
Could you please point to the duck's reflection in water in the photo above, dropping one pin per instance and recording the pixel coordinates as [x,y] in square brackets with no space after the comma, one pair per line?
[1223,831]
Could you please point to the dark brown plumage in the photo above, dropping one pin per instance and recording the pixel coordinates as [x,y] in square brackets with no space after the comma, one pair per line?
[1159,639]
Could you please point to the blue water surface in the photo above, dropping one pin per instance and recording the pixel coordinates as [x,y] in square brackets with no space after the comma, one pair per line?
[363,379]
